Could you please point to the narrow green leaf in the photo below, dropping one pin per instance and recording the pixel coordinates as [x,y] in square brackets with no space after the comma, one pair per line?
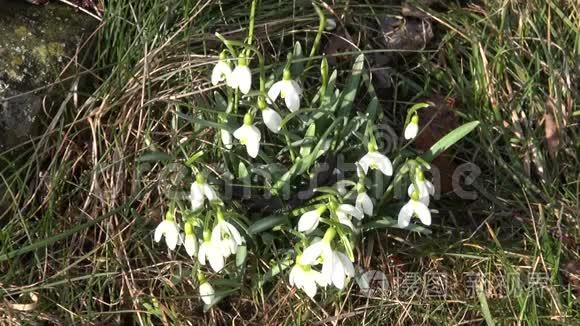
[484,306]
[350,91]
[451,138]
[267,223]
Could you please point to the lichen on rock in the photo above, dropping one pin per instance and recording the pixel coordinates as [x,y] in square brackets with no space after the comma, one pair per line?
[35,44]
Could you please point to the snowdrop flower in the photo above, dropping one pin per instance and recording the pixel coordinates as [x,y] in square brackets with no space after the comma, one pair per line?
[424,186]
[288,89]
[271,118]
[249,135]
[376,160]
[225,236]
[190,240]
[363,202]
[168,229]
[199,191]
[209,252]
[412,128]
[336,266]
[206,291]
[309,220]
[341,185]
[304,277]
[414,207]
[330,24]
[226,139]
[221,71]
[241,77]
[344,212]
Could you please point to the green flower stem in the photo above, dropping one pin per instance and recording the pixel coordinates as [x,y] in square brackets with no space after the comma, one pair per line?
[229,44]
[252,22]
[316,44]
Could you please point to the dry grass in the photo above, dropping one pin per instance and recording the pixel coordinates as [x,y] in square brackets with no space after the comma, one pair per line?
[84,199]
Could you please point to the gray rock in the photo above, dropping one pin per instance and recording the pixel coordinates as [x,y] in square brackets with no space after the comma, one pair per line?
[35,44]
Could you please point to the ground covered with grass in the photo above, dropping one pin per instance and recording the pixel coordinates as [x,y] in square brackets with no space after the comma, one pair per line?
[83,200]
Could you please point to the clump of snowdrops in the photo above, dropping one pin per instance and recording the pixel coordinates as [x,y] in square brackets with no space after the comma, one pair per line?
[277,125]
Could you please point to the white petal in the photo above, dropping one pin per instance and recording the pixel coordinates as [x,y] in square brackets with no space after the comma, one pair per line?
[226,139]
[365,162]
[351,210]
[159,231]
[364,203]
[221,71]
[244,77]
[292,100]
[411,131]
[240,133]
[430,187]
[309,286]
[196,196]
[346,221]
[327,271]
[206,292]
[253,142]
[296,87]
[422,212]
[311,254]
[330,24]
[309,221]
[338,273]
[341,186]
[209,193]
[190,244]
[202,253]
[346,263]
[216,261]
[171,235]
[405,215]
[383,163]
[275,90]
[272,120]
[216,233]
[294,275]
[423,192]
[235,233]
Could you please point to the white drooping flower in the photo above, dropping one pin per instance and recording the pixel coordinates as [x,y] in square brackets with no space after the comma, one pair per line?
[168,229]
[330,24]
[424,187]
[225,236]
[412,128]
[199,191]
[344,212]
[209,252]
[221,71]
[341,186]
[376,160]
[304,277]
[336,266]
[414,207]
[249,135]
[310,220]
[272,120]
[206,292]
[227,139]
[190,240]
[288,89]
[364,203]
[241,77]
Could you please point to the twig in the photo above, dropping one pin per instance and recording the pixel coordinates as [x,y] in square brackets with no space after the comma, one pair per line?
[81,9]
